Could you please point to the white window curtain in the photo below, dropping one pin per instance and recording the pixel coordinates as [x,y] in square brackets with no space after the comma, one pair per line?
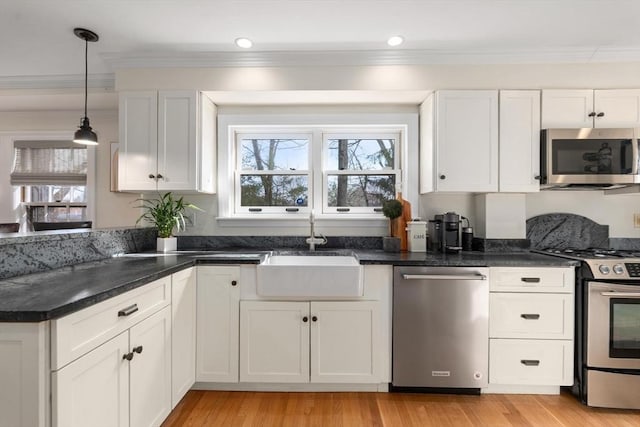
[49,163]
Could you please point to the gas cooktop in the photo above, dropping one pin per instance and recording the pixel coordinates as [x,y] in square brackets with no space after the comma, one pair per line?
[603,263]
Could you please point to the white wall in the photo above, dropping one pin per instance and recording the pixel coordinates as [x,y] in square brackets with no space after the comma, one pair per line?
[115,209]
[112,209]
[616,211]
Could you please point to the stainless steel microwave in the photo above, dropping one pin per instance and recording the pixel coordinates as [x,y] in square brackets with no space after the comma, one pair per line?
[589,157]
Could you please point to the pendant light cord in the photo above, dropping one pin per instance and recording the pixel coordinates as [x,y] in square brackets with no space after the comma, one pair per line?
[86,73]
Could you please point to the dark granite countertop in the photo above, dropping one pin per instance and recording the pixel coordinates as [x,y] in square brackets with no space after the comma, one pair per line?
[52,294]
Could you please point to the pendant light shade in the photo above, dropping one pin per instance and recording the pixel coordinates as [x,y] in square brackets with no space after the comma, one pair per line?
[85,135]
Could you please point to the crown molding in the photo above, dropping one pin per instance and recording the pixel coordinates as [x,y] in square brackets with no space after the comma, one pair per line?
[368,57]
[68,81]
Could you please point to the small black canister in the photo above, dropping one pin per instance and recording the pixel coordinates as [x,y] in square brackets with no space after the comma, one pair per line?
[467,238]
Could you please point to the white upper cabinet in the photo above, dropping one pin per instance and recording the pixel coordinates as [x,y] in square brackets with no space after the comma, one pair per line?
[466,140]
[586,108]
[166,142]
[519,141]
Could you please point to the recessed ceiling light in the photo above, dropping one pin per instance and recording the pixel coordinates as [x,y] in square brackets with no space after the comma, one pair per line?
[244,42]
[395,40]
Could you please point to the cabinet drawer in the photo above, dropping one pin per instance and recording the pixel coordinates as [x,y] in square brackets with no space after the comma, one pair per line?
[520,315]
[77,333]
[531,362]
[535,279]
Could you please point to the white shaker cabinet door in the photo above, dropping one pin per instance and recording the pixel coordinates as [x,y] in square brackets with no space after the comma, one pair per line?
[519,140]
[571,108]
[218,323]
[467,140]
[138,150]
[150,370]
[94,389]
[274,344]
[183,333]
[345,345]
[177,140]
[617,108]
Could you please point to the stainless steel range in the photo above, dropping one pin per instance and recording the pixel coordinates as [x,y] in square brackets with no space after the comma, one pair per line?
[607,326]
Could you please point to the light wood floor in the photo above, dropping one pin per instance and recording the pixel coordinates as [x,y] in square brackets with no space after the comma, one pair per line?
[218,408]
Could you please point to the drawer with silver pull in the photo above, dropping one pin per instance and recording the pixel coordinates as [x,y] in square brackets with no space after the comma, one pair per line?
[532,279]
[519,315]
[531,362]
[78,333]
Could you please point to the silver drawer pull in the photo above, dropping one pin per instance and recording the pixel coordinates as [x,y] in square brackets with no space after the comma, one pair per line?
[444,276]
[530,316]
[527,362]
[530,279]
[128,311]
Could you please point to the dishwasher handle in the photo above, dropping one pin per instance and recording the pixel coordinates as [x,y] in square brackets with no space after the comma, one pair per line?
[444,277]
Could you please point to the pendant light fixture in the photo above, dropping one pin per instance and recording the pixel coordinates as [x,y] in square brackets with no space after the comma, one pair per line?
[85,135]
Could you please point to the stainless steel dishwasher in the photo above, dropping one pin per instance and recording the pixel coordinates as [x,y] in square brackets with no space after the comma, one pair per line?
[440,329]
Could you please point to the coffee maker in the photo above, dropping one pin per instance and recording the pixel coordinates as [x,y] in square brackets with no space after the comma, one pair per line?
[445,233]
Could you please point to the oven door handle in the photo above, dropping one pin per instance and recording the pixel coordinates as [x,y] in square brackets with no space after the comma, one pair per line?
[621,294]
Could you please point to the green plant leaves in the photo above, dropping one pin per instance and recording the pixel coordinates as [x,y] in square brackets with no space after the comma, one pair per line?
[166,213]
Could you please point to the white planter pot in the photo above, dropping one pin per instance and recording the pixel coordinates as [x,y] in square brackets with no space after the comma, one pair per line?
[166,244]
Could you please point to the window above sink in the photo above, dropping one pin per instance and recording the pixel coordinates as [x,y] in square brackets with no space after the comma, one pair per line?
[340,166]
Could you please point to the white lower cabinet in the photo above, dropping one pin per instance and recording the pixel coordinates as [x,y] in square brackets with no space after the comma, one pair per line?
[150,371]
[344,340]
[94,390]
[218,300]
[183,333]
[531,328]
[274,341]
[119,373]
[319,342]
[124,382]
[24,375]
[531,362]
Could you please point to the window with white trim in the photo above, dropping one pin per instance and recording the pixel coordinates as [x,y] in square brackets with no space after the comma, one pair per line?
[360,171]
[272,172]
[52,176]
[338,171]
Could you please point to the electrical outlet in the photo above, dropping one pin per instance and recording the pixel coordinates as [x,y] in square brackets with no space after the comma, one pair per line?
[190,219]
[636,220]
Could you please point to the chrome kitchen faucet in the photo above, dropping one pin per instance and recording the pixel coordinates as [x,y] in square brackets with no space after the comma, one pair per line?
[313,240]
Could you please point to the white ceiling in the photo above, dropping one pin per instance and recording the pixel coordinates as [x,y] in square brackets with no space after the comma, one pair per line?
[37,37]
[38,49]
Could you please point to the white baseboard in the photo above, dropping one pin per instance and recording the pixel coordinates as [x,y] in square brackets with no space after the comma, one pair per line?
[303,387]
[520,389]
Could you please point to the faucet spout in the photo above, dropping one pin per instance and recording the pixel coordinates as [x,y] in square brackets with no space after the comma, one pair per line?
[313,240]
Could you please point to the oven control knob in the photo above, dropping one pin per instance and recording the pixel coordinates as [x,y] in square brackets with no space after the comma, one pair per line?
[604,269]
[618,269]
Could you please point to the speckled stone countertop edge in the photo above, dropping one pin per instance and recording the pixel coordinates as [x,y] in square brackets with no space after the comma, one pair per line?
[367,257]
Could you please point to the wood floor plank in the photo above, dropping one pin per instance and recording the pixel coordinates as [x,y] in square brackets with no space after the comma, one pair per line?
[270,409]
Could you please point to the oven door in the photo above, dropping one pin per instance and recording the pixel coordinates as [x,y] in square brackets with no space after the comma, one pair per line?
[613,326]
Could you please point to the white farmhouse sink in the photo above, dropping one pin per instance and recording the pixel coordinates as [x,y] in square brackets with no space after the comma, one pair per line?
[309,276]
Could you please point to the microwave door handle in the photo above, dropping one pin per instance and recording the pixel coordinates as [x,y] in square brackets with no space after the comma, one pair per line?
[621,294]
[634,153]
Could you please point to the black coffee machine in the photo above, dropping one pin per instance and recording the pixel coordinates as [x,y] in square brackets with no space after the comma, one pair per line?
[445,233]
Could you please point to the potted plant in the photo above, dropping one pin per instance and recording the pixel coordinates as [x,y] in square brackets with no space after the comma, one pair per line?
[167,214]
[392,209]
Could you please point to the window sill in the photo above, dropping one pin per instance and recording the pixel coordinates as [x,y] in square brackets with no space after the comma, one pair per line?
[275,220]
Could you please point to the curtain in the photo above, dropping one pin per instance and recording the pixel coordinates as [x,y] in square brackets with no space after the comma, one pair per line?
[49,163]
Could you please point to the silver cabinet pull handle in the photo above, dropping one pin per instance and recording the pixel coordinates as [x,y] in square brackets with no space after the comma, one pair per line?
[526,362]
[530,316]
[444,276]
[128,311]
